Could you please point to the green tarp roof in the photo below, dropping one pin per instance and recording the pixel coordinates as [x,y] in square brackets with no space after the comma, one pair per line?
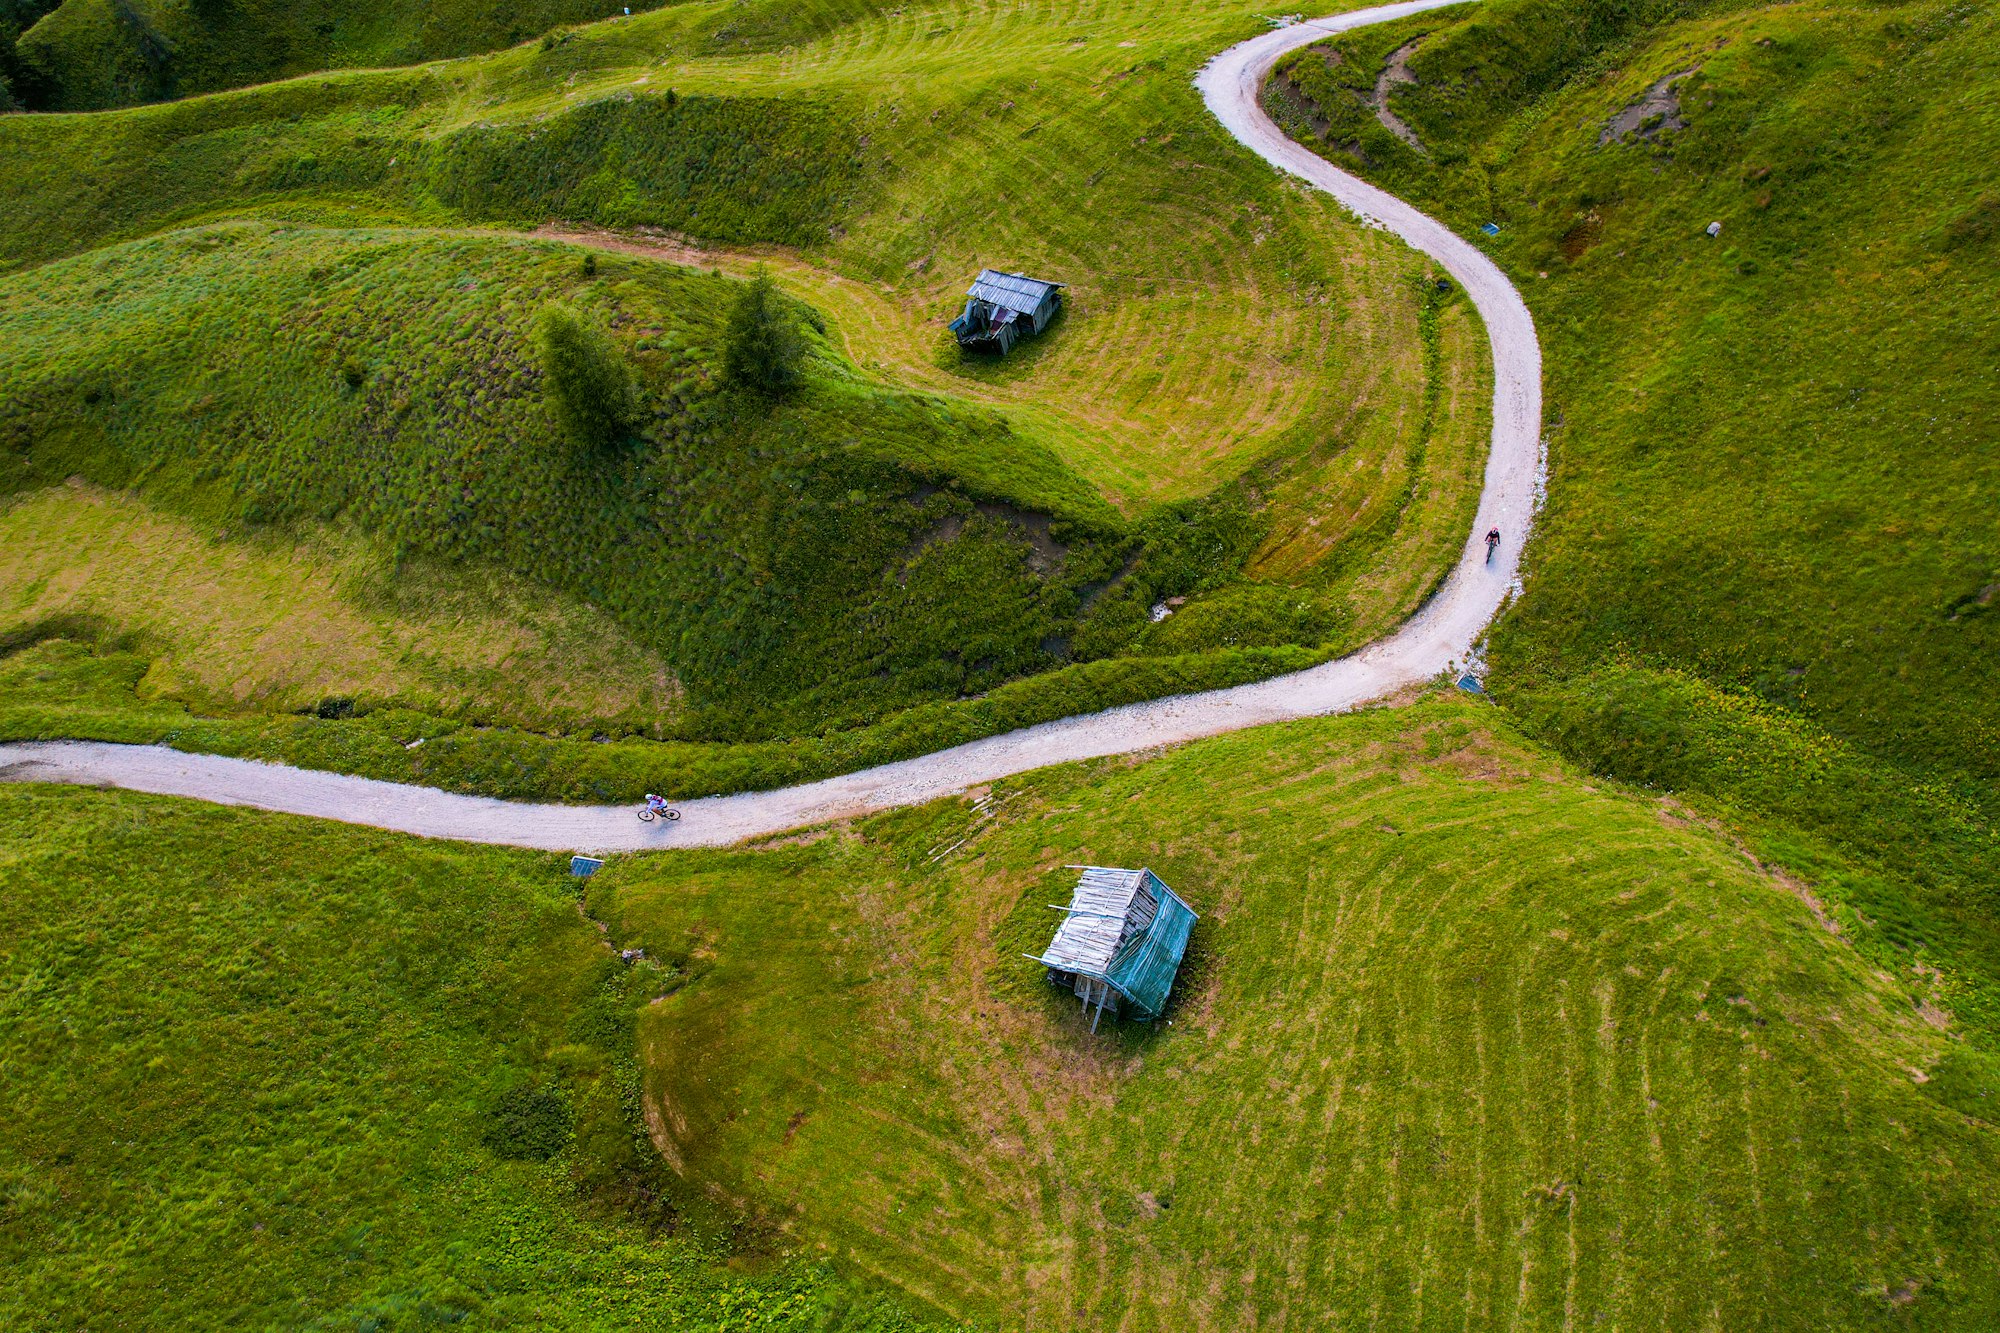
[1126,928]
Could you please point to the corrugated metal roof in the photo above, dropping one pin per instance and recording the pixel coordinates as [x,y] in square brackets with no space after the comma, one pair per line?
[1013,291]
[1088,938]
[1125,927]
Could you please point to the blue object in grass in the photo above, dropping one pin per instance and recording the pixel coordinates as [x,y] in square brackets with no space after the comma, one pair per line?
[583,867]
[1470,684]
[1491,229]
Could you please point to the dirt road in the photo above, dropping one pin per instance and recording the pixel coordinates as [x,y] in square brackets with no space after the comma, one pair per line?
[1436,639]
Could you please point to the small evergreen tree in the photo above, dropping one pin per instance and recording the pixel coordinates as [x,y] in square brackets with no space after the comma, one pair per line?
[763,348]
[589,384]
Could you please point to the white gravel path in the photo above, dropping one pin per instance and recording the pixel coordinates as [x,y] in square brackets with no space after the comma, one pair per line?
[1438,638]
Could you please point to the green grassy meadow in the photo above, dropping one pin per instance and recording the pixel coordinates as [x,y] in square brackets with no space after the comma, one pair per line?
[281,625]
[256,377]
[87,55]
[839,578]
[1660,990]
[1464,1038]
[276,1073]
[1213,310]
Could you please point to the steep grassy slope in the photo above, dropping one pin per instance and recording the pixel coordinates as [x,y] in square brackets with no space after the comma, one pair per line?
[85,55]
[807,560]
[1286,418]
[265,1072]
[1772,462]
[1216,316]
[1462,1039]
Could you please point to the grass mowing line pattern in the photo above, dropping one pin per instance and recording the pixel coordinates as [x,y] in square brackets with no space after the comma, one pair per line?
[1438,637]
[1464,1040]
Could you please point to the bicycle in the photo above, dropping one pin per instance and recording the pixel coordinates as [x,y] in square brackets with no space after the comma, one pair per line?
[648,814]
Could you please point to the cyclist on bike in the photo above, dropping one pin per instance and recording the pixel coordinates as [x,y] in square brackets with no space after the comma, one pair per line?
[657,804]
[1492,544]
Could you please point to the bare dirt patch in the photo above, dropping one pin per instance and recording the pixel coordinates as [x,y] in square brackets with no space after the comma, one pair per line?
[1581,236]
[1302,104]
[1397,71]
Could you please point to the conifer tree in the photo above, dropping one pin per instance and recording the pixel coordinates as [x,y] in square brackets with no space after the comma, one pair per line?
[589,384]
[763,348]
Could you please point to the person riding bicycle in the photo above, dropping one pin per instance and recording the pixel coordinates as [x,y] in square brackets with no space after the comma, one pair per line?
[657,804]
[1492,544]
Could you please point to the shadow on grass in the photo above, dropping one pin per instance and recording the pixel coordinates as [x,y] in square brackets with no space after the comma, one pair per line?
[1015,366]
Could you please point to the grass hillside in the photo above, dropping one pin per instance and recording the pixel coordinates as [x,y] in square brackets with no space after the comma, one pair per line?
[270,1072]
[284,625]
[1218,318]
[1462,1039]
[87,55]
[254,376]
[814,563]
[1770,467]
[1250,404]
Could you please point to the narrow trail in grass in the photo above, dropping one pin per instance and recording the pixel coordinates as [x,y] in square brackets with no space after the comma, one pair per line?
[1439,637]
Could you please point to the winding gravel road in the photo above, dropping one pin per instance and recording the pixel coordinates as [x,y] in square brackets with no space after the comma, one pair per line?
[1436,639]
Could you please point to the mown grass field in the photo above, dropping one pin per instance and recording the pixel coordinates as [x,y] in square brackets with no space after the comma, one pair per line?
[276,625]
[276,1073]
[1772,461]
[1463,1039]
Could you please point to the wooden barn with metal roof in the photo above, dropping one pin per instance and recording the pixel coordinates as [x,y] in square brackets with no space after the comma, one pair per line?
[1003,308]
[1120,943]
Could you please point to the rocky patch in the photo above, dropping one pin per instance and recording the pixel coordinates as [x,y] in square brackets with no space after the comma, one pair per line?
[1659,109]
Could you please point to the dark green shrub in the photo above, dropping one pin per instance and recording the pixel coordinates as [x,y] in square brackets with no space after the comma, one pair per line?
[529,1124]
[763,347]
[588,383]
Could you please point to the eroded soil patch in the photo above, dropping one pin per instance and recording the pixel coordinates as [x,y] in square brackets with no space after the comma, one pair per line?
[1658,110]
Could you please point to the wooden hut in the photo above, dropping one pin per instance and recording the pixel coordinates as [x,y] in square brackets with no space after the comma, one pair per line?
[1002,308]
[1120,942]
